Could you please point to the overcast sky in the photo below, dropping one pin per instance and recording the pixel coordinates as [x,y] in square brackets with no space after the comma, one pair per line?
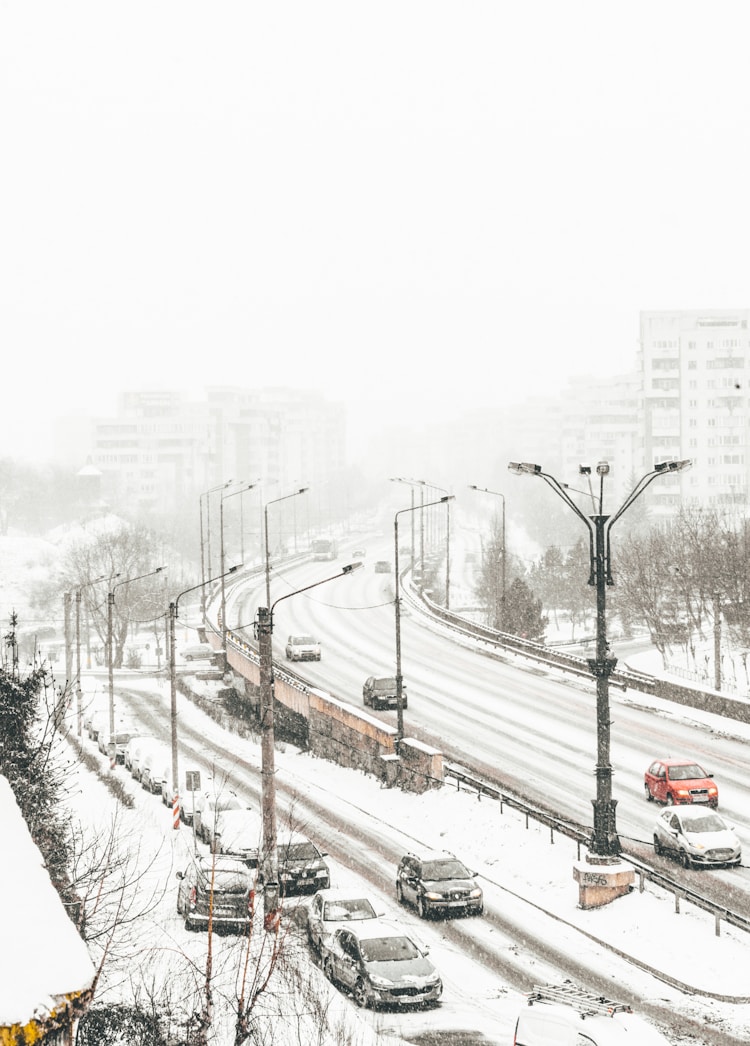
[413,204]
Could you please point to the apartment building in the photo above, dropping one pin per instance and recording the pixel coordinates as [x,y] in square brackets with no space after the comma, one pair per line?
[695,366]
[162,449]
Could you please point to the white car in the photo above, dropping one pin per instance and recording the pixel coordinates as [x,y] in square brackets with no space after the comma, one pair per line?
[332,908]
[238,833]
[155,768]
[696,835]
[302,648]
[208,805]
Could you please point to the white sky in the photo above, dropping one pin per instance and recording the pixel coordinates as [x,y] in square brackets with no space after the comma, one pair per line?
[424,203]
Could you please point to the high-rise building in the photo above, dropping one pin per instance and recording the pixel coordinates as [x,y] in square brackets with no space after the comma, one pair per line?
[695,366]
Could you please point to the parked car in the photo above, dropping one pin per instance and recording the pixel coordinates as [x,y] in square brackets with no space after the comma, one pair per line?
[379,964]
[696,836]
[382,566]
[138,753]
[132,748]
[331,909]
[232,884]
[302,648]
[100,705]
[238,833]
[98,719]
[380,692]
[156,766]
[566,1014]
[302,867]
[124,730]
[436,881]
[198,652]
[677,781]
[208,805]
[167,792]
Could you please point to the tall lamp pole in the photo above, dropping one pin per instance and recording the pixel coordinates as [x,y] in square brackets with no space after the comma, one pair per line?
[111,658]
[172,619]
[397,606]
[79,696]
[265,532]
[500,619]
[270,861]
[222,565]
[433,486]
[206,563]
[605,843]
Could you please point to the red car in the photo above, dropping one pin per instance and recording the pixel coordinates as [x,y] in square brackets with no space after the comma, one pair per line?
[677,781]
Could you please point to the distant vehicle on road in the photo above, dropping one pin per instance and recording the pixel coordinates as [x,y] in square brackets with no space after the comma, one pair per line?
[324,548]
[678,781]
[380,692]
[382,566]
[302,648]
[198,652]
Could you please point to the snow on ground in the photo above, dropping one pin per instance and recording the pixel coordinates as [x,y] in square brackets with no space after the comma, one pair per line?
[522,870]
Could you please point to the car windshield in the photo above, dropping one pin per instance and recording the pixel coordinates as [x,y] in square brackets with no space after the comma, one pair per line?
[388,949]
[303,640]
[444,870]
[354,908]
[385,684]
[708,822]
[686,772]
[298,852]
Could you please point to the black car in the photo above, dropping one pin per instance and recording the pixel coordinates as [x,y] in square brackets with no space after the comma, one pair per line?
[438,882]
[380,692]
[229,903]
[302,868]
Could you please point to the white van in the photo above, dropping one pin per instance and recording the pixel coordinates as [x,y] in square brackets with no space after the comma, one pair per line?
[564,1015]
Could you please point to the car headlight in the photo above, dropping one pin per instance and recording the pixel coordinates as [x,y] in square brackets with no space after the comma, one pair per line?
[380,982]
[476,893]
[713,791]
[321,873]
[432,895]
[683,791]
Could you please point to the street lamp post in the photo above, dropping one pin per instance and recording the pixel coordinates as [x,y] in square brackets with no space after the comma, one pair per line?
[172,619]
[270,861]
[111,658]
[265,532]
[605,843]
[501,622]
[206,562]
[433,486]
[222,565]
[397,606]
[79,696]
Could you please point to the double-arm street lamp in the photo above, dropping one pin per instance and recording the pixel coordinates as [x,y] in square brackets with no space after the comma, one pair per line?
[172,619]
[499,618]
[222,565]
[111,658]
[397,604]
[270,863]
[265,532]
[605,843]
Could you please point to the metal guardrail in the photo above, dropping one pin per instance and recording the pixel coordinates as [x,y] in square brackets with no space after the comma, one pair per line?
[582,837]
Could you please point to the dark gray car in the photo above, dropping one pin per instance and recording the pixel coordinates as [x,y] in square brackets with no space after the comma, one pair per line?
[215,886]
